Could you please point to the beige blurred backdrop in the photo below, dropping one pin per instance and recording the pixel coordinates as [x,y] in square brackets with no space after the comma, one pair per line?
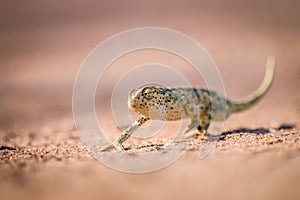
[42,45]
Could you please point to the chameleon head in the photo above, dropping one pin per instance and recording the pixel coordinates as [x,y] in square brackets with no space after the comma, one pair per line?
[149,101]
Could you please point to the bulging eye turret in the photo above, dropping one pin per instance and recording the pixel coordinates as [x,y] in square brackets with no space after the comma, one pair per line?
[147,93]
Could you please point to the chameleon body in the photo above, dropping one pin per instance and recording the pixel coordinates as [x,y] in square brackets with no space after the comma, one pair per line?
[200,105]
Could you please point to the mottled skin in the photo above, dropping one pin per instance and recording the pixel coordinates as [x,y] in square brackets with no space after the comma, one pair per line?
[200,105]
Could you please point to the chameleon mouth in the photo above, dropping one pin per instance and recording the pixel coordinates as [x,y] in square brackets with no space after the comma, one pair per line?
[131,97]
[132,93]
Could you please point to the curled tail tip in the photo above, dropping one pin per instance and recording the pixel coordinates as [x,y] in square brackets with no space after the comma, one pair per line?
[270,70]
[271,62]
[260,92]
[269,75]
[272,59]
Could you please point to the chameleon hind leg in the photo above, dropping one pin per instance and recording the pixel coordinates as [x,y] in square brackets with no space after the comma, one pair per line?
[117,144]
[187,131]
[205,118]
[200,122]
[195,122]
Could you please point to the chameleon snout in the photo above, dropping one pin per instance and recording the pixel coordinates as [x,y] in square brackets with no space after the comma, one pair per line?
[131,98]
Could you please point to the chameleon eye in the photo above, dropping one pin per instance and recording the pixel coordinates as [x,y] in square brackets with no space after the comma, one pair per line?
[148,94]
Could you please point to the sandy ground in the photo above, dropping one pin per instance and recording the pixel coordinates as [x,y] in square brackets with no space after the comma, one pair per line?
[42,47]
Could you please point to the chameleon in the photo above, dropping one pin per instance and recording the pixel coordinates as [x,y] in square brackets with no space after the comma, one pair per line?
[200,105]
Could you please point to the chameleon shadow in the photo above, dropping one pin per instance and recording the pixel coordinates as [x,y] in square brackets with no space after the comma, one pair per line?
[257,130]
[209,145]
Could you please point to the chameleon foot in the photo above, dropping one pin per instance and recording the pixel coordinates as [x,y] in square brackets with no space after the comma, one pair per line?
[113,145]
[189,134]
[194,133]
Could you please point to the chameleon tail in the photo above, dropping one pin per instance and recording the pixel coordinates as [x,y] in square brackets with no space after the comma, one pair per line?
[236,106]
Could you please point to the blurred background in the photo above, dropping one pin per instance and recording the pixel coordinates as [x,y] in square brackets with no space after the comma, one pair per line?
[42,45]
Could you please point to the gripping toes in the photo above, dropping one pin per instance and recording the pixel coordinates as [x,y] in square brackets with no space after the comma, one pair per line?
[193,133]
[114,145]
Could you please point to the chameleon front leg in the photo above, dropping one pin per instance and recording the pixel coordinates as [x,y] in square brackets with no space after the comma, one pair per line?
[125,135]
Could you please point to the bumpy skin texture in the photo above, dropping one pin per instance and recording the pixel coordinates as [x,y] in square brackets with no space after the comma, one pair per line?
[200,105]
